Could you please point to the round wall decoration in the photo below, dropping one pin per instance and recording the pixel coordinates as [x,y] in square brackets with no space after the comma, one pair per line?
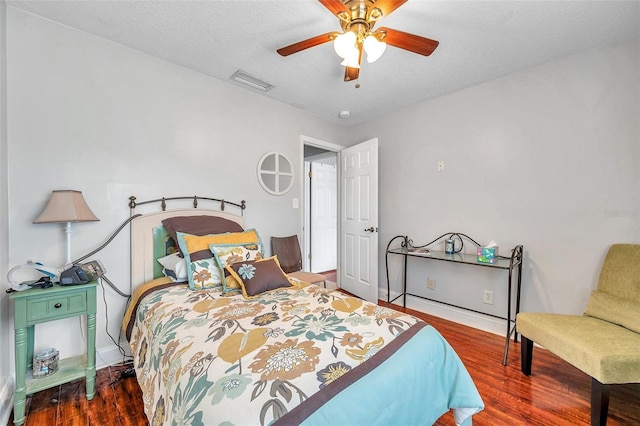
[275,173]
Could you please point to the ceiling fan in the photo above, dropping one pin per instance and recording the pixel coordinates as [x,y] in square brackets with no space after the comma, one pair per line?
[357,19]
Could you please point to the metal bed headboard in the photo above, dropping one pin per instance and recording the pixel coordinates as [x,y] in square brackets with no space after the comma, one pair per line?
[163,203]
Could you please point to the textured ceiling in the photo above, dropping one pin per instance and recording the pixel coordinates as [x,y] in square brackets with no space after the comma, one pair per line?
[479,41]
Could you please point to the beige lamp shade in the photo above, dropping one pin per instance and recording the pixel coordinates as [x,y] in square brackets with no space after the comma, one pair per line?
[66,206]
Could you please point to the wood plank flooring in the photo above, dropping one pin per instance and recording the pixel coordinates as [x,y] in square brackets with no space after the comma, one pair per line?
[555,394]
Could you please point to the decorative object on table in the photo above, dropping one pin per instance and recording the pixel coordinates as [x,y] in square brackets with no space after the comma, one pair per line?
[66,206]
[45,363]
[449,246]
[488,253]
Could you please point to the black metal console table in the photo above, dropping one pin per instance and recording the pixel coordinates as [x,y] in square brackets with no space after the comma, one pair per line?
[512,263]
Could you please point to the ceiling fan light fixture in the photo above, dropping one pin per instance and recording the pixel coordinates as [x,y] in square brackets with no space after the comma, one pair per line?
[374,48]
[375,14]
[344,44]
[352,60]
[357,20]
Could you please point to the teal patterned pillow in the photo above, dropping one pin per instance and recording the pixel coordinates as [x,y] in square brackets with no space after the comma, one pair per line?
[204,270]
[228,254]
[202,273]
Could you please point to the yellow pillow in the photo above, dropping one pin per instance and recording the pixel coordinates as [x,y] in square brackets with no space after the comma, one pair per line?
[203,270]
[195,243]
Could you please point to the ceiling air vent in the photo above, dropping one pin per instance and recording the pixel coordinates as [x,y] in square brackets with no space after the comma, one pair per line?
[247,80]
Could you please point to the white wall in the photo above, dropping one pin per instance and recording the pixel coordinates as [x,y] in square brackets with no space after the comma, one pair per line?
[548,158]
[6,373]
[90,115]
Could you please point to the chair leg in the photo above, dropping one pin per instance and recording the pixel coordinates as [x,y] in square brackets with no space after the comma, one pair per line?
[599,402]
[526,355]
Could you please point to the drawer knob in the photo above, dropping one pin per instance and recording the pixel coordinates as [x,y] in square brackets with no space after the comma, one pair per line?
[57,305]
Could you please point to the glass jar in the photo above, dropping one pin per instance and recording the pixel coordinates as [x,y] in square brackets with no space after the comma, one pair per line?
[45,363]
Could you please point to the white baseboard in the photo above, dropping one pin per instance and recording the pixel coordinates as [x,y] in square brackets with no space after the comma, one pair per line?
[450,313]
[110,355]
[6,399]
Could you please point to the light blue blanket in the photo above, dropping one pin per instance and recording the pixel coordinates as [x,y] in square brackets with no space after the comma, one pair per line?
[436,379]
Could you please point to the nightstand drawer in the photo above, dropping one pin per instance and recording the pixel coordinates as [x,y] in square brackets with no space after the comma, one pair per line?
[60,306]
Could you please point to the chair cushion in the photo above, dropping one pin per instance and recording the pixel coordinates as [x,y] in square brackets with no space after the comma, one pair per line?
[620,273]
[614,309]
[604,351]
[288,251]
[308,277]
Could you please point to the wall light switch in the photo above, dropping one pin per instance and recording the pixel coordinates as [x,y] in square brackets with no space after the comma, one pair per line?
[295,203]
[440,167]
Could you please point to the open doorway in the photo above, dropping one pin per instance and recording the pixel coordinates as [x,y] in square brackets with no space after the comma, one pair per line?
[320,232]
[354,204]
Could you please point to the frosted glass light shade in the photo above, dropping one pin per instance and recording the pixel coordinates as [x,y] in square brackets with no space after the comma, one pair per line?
[374,48]
[351,60]
[344,44]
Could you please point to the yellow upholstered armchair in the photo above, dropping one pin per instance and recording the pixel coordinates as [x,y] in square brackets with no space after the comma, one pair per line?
[604,342]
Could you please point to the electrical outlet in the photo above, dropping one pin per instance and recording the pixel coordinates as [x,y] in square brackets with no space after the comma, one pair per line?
[487,297]
[431,284]
[440,166]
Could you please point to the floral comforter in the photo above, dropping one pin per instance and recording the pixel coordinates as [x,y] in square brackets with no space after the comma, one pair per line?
[207,358]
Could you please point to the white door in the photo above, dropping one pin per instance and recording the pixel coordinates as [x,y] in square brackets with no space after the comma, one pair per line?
[324,225]
[359,220]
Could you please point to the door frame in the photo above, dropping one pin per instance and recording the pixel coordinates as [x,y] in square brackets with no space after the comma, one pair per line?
[327,146]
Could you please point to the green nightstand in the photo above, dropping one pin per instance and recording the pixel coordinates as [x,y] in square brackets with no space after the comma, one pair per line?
[36,306]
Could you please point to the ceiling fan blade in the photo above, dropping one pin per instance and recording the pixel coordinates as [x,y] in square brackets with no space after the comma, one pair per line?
[306,44]
[351,73]
[388,6]
[335,6]
[411,42]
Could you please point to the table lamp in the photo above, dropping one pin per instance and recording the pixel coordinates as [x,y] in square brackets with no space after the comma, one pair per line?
[66,206]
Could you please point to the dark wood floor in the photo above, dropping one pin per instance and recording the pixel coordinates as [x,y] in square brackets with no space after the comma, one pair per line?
[331,275]
[555,394]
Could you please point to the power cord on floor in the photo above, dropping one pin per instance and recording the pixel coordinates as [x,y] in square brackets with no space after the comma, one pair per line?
[124,374]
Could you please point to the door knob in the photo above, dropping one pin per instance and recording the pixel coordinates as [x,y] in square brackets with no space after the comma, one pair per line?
[369,229]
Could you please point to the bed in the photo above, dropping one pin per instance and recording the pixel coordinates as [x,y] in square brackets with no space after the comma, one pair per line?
[285,352]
